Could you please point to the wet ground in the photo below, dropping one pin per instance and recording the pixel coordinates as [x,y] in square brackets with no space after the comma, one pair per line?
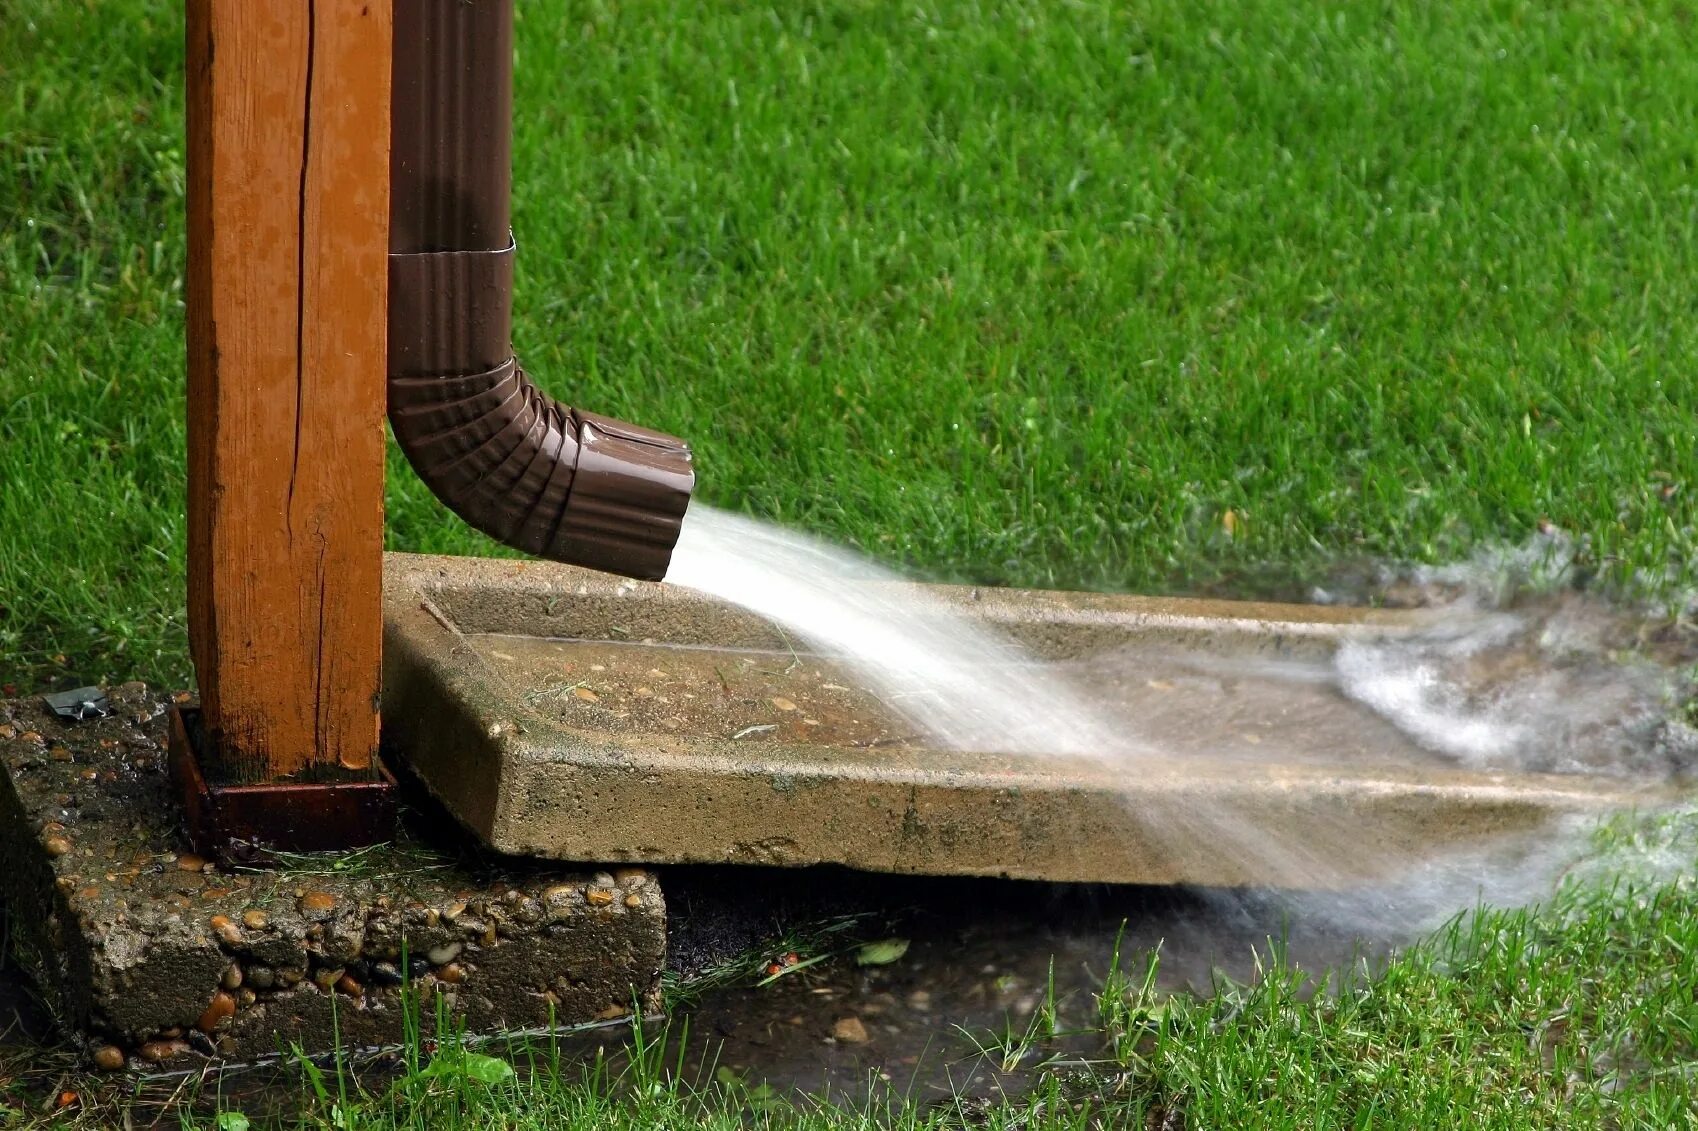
[982,959]
[978,961]
[766,981]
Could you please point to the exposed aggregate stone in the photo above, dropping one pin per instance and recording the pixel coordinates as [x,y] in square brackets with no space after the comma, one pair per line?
[154,955]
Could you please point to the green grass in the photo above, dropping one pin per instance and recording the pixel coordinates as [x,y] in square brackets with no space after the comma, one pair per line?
[1013,292]
[1578,1014]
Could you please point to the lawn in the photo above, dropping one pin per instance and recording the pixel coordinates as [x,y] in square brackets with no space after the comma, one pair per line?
[1024,293]
[1187,295]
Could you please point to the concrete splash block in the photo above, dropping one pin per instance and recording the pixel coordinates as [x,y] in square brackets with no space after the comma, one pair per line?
[565,714]
[155,958]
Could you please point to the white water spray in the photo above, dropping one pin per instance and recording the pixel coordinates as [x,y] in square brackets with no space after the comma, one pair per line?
[962,684]
[1488,690]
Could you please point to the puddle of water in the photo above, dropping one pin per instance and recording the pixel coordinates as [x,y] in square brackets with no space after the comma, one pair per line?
[1550,687]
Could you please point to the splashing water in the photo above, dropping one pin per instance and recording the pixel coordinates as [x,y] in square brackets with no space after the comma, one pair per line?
[962,684]
[1537,689]
[1540,689]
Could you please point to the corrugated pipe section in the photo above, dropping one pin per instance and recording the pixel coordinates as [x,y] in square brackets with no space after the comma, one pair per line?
[550,480]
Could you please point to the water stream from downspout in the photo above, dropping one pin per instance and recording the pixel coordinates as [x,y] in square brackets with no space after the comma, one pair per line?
[1486,688]
[959,681]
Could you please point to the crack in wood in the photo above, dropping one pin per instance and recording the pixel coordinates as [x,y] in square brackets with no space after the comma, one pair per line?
[321,670]
[301,263]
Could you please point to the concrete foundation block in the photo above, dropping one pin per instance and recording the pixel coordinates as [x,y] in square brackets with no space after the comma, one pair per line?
[154,956]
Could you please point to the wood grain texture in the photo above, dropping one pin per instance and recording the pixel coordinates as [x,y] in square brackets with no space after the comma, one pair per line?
[288,201]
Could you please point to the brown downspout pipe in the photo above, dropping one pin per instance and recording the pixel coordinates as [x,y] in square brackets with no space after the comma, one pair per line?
[550,480]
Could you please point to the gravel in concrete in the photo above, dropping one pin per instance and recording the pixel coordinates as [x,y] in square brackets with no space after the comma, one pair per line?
[155,957]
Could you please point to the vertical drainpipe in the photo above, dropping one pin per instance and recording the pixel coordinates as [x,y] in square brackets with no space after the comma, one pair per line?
[530,472]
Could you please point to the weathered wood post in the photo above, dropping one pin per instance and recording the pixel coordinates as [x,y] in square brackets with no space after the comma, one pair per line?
[288,204]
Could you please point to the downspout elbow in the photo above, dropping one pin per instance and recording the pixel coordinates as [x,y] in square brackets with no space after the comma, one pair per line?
[498,451]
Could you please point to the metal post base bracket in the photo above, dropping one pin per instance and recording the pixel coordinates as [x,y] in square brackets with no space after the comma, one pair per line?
[250,823]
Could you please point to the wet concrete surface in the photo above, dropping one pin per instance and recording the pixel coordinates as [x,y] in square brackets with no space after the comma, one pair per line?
[1248,717]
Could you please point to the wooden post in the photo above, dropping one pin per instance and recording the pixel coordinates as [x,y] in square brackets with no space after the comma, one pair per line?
[288,205]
